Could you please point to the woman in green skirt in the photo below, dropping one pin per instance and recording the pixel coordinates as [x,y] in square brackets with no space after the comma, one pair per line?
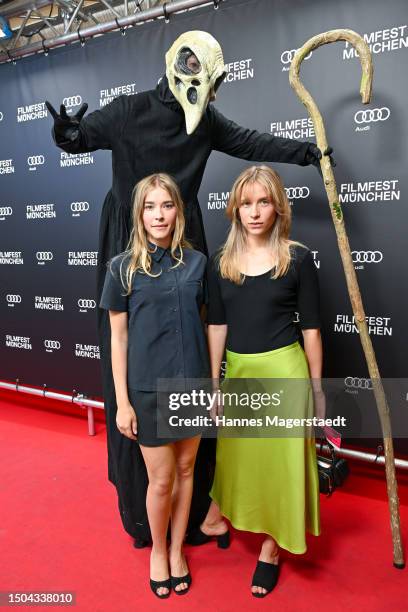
[257,283]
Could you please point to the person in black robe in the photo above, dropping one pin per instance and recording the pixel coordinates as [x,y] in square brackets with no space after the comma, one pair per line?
[153,131]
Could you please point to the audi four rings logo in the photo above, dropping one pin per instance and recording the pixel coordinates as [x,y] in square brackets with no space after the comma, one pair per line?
[1,116]
[35,160]
[372,115]
[287,56]
[86,303]
[5,211]
[79,206]
[294,193]
[72,101]
[44,255]
[13,299]
[358,383]
[367,256]
[52,344]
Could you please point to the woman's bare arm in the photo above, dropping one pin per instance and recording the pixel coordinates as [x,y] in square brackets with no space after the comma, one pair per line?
[119,346]
[312,341]
[217,335]
[314,352]
[125,416]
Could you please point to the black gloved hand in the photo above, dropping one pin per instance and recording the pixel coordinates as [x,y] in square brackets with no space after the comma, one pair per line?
[314,155]
[65,127]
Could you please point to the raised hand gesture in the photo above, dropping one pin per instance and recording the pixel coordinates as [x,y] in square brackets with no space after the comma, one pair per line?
[65,126]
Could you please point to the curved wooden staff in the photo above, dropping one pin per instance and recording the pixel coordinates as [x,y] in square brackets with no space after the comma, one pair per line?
[337,215]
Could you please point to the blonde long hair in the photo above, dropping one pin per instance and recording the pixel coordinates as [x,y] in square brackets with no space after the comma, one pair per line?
[279,242]
[138,253]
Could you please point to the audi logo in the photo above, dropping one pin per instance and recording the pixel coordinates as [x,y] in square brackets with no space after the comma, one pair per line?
[367,256]
[52,344]
[79,206]
[13,299]
[358,383]
[287,56]
[5,211]
[72,101]
[372,115]
[44,255]
[1,116]
[294,193]
[35,160]
[82,303]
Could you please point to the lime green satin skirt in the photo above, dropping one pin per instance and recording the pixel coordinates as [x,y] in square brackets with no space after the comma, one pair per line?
[269,485]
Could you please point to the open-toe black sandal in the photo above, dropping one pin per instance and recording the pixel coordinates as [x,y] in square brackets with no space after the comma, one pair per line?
[265,576]
[156,584]
[176,581]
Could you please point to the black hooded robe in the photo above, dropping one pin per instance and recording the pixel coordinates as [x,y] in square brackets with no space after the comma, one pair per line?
[146,134]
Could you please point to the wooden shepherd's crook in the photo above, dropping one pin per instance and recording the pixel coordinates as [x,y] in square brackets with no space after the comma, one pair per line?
[337,215]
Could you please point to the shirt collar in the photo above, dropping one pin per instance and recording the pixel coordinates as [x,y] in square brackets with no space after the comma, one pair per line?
[157,252]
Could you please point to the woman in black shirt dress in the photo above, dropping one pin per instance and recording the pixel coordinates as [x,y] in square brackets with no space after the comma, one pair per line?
[154,293]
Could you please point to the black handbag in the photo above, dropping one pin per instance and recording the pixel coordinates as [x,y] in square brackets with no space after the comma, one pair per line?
[332,471]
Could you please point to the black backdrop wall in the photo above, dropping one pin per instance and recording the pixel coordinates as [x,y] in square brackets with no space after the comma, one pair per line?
[50,202]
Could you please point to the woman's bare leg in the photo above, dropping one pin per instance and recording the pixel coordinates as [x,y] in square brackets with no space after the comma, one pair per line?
[160,465]
[269,554]
[185,452]
[214,523]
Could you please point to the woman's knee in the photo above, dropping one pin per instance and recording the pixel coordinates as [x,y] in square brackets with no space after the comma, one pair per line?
[161,484]
[185,468]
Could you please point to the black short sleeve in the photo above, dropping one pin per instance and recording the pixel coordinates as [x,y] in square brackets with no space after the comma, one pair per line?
[113,293]
[215,309]
[205,289]
[308,293]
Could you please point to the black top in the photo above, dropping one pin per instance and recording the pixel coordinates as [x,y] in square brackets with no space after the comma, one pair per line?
[146,133]
[166,336]
[261,312]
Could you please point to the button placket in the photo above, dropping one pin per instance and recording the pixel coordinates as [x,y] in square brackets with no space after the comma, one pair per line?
[179,330]
[176,310]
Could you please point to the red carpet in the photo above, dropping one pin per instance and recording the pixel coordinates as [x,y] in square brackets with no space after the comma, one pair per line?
[60,531]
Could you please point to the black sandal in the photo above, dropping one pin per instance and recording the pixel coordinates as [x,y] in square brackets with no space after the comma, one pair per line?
[196,537]
[156,584]
[265,576]
[176,581]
